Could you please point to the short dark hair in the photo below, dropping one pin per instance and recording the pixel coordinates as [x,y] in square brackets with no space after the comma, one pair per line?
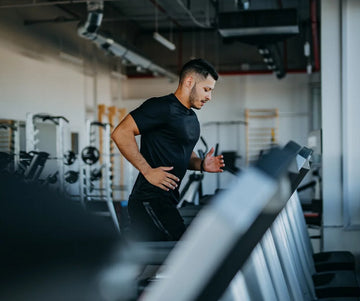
[199,66]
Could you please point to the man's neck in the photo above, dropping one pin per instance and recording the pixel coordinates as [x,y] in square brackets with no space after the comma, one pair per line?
[182,97]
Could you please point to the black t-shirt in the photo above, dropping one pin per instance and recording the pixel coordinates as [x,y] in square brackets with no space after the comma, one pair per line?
[169,132]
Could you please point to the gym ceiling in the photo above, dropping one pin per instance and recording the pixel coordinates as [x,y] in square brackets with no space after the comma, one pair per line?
[237,36]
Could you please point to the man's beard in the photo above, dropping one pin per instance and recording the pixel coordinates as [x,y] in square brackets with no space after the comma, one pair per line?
[192,97]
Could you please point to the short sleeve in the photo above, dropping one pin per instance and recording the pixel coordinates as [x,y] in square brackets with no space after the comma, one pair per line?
[153,113]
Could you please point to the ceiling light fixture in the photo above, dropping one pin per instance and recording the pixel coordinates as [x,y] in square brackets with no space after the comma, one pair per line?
[165,42]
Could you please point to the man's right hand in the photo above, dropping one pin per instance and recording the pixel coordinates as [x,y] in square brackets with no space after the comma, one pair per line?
[161,178]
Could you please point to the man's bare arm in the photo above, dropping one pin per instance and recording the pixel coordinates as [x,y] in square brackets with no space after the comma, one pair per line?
[124,138]
[195,162]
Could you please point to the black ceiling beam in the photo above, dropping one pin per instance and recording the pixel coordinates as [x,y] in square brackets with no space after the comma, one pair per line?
[160,8]
[182,30]
[69,11]
[75,17]
[116,9]
[60,19]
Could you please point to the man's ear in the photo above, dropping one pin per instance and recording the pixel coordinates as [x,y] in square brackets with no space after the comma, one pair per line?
[189,81]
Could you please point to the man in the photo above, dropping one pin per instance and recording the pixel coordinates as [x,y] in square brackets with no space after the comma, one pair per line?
[169,130]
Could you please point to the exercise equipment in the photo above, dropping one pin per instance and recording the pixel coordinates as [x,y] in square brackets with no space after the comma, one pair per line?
[192,198]
[17,161]
[52,178]
[192,193]
[40,128]
[95,174]
[10,144]
[230,227]
[71,176]
[31,165]
[122,172]
[92,196]
[230,158]
[5,159]
[90,155]
[268,247]
[230,135]
[323,261]
[69,157]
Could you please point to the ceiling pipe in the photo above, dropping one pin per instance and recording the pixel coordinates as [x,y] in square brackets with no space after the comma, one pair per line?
[315,37]
[191,16]
[33,3]
[89,30]
[94,18]
[280,5]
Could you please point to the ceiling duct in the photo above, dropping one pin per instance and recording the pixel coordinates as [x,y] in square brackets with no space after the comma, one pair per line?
[89,30]
[259,27]
[93,22]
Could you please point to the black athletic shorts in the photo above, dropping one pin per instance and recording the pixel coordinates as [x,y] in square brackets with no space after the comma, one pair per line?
[155,220]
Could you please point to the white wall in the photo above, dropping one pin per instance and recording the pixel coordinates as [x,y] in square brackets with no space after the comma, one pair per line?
[40,86]
[41,82]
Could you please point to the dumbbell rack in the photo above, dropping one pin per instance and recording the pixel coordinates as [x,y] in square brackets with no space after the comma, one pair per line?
[86,189]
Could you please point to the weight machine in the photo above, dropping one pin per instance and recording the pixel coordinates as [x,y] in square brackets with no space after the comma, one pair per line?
[38,135]
[95,173]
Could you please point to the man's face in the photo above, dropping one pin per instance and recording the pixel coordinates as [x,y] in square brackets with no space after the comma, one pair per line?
[201,92]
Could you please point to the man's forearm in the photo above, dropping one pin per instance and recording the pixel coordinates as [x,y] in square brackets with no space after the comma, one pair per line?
[128,147]
[194,163]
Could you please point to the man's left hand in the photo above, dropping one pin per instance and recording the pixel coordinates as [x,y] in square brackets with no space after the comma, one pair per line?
[213,163]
